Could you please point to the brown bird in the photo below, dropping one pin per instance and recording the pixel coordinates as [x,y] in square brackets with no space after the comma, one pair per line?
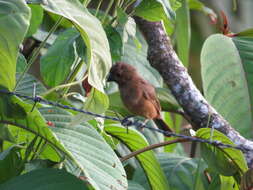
[137,94]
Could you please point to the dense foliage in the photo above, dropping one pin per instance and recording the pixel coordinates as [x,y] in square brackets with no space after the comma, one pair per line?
[62,50]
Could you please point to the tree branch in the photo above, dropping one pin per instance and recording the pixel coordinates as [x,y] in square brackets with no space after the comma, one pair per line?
[162,57]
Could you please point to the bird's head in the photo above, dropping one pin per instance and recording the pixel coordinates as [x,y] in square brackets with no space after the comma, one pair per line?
[121,73]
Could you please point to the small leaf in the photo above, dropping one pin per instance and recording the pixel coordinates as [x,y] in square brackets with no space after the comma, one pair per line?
[96,102]
[157,10]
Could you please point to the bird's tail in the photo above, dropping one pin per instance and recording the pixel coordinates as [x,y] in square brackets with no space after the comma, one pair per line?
[162,125]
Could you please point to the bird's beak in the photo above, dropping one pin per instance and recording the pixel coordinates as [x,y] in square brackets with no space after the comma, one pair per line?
[110,78]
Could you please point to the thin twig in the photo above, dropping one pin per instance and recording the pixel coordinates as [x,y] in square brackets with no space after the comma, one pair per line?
[151,147]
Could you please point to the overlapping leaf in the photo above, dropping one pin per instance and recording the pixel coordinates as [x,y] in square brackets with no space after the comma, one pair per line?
[92,154]
[134,141]
[226,70]
[14,20]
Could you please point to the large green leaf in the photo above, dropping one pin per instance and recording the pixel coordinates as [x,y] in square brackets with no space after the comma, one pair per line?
[99,58]
[33,124]
[134,141]
[181,172]
[56,64]
[227,76]
[46,179]
[14,20]
[225,161]
[94,156]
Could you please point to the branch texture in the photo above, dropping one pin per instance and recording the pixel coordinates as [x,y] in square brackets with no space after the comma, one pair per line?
[162,57]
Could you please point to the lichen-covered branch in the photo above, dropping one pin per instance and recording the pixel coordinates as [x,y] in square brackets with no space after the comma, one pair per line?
[162,57]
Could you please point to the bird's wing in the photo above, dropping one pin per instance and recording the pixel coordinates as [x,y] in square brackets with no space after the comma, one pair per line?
[150,94]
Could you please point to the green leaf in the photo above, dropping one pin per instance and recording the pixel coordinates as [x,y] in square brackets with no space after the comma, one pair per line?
[245,33]
[27,85]
[134,186]
[10,163]
[225,161]
[10,109]
[199,6]
[21,63]
[38,164]
[183,32]
[135,141]
[222,182]
[14,20]
[47,179]
[92,154]
[36,19]
[98,51]
[33,124]
[115,41]
[181,172]
[5,134]
[97,102]
[228,183]
[227,77]
[56,64]
[157,10]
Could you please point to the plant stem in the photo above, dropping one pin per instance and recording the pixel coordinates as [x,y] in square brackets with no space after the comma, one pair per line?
[73,75]
[37,52]
[63,86]
[151,147]
[128,3]
[107,10]
[98,7]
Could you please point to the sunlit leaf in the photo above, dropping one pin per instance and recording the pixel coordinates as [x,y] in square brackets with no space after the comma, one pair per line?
[14,21]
